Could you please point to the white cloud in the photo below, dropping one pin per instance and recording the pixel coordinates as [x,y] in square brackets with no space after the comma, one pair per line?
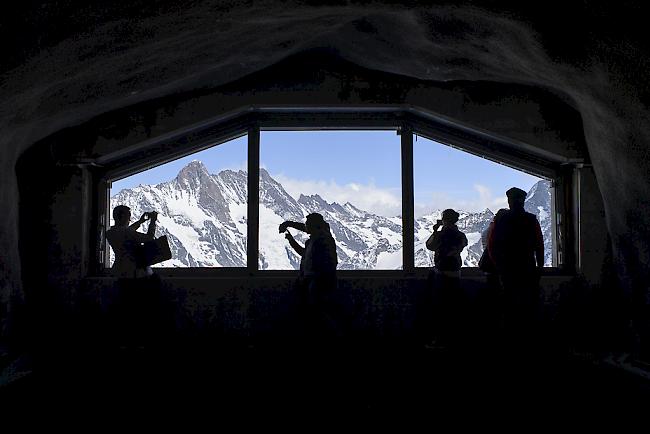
[482,199]
[387,202]
[368,197]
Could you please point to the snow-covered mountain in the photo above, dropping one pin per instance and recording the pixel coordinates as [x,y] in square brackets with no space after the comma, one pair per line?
[204,218]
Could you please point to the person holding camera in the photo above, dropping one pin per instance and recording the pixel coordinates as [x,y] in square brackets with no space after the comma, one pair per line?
[125,240]
[447,242]
[136,312]
[317,279]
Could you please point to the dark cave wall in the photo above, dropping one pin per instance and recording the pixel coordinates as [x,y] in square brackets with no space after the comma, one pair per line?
[593,57]
[318,78]
[54,226]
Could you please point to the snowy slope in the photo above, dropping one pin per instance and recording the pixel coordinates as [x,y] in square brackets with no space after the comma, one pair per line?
[204,217]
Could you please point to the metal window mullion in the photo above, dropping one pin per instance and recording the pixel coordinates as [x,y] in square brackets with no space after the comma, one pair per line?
[106,204]
[555,242]
[408,225]
[577,214]
[103,213]
[253,198]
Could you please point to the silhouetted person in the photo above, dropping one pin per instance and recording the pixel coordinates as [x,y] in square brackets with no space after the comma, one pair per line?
[125,240]
[447,244]
[317,280]
[490,302]
[138,289]
[516,247]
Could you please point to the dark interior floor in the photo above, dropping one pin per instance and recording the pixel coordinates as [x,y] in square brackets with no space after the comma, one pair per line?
[356,380]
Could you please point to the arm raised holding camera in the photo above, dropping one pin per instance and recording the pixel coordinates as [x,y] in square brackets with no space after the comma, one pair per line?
[289,224]
[136,225]
[151,231]
[433,242]
[294,244]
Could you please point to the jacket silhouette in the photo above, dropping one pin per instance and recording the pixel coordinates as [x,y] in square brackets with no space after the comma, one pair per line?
[125,241]
[516,248]
[447,243]
[319,311]
[515,241]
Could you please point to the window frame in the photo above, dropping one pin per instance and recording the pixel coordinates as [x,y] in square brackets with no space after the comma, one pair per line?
[398,131]
[547,173]
[406,120]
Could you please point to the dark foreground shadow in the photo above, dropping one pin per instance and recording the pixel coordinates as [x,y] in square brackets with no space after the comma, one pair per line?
[370,380]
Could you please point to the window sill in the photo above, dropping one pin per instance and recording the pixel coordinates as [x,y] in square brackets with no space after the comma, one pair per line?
[242,273]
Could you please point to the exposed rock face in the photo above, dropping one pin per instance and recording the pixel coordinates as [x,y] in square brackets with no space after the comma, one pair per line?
[71,63]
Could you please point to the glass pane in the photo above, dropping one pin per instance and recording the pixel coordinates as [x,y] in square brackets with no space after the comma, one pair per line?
[201,202]
[445,177]
[352,178]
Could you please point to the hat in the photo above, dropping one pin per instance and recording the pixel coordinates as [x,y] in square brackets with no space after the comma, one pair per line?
[318,222]
[316,217]
[516,193]
[450,214]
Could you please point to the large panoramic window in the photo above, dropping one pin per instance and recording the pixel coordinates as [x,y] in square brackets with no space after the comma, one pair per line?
[201,202]
[362,182]
[352,178]
[445,177]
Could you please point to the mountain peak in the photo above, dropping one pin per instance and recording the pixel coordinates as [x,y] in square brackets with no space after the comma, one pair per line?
[194,167]
[193,173]
[532,190]
[314,203]
[266,176]
[348,205]
[540,187]
[311,197]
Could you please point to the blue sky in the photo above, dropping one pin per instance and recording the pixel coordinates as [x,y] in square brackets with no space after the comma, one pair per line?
[450,178]
[342,156]
[362,167]
[229,155]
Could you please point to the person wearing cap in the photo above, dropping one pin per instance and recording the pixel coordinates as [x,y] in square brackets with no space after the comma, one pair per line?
[516,247]
[515,243]
[317,278]
[447,242]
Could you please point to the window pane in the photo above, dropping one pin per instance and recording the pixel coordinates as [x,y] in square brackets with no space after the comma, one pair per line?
[352,178]
[445,177]
[201,202]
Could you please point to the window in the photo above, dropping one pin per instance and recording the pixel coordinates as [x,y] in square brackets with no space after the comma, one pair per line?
[201,202]
[359,178]
[352,178]
[445,177]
